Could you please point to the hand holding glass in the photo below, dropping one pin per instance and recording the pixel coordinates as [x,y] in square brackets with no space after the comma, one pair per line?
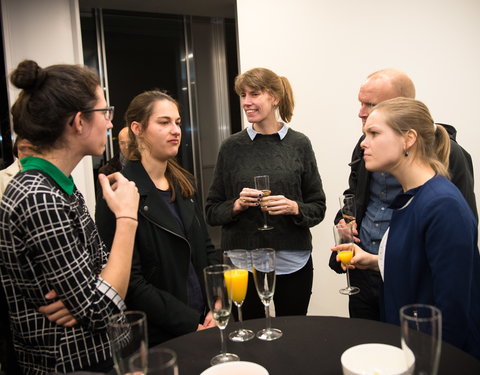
[220,304]
[343,234]
[263,183]
[128,337]
[237,278]
[263,266]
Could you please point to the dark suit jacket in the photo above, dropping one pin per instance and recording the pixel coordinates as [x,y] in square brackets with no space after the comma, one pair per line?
[162,254]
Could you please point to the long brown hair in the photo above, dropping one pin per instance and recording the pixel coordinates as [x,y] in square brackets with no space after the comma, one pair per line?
[140,109]
[263,79]
[433,142]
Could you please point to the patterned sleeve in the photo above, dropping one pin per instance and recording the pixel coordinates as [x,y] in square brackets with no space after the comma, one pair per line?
[59,247]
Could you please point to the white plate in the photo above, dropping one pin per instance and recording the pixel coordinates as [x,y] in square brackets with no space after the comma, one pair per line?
[376,359]
[236,368]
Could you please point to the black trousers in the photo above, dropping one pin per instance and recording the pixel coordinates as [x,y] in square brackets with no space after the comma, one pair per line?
[366,304]
[292,294]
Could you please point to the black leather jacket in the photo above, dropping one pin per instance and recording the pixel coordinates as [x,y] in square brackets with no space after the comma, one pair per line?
[161,258]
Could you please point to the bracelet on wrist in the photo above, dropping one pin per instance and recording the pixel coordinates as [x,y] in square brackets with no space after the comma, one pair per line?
[126,217]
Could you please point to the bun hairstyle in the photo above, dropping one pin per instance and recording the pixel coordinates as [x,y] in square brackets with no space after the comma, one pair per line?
[49,99]
[263,79]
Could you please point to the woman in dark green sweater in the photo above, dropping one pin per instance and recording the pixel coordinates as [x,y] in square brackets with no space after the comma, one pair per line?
[269,147]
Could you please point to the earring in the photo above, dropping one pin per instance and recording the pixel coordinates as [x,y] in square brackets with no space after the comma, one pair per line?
[405,153]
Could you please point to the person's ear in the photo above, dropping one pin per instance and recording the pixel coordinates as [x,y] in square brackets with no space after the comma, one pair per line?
[136,128]
[78,123]
[410,138]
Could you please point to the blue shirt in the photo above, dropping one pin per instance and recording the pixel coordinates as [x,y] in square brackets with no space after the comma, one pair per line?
[383,190]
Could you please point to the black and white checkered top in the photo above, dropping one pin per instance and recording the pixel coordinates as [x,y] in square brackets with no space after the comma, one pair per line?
[48,240]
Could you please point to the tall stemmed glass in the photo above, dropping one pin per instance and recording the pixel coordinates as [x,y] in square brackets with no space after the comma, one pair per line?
[220,304]
[263,183]
[127,333]
[348,208]
[237,278]
[343,234]
[263,266]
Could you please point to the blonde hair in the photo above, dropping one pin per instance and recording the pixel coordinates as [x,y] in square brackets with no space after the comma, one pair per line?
[140,109]
[432,144]
[263,79]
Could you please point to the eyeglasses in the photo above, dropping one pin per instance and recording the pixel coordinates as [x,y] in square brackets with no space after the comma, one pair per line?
[107,112]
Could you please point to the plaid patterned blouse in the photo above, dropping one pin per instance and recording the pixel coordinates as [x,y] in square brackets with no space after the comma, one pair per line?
[49,241]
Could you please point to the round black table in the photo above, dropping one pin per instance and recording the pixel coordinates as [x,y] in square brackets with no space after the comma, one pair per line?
[310,345]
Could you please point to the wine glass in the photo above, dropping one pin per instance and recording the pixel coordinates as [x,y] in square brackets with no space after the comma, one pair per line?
[239,261]
[220,304]
[348,208]
[263,266]
[343,234]
[127,333]
[263,183]
[158,361]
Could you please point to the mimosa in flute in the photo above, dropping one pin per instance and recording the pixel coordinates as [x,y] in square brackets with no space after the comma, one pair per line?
[237,283]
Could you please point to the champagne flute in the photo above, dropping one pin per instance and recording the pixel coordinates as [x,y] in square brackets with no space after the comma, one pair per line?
[158,361]
[220,304]
[263,183]
[237,278]
[127,333]
[348,208]
[343,234]
[421,332]
[263,266]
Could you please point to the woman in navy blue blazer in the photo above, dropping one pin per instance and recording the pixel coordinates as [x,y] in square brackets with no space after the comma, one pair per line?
[429,254]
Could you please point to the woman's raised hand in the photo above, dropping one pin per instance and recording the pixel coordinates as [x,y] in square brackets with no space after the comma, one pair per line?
[120,194]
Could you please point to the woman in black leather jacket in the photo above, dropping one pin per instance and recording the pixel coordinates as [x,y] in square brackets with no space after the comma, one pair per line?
[172,245]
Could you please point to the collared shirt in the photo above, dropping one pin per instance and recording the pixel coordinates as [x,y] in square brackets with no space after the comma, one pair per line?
[252,133]
[48,241]
[286,261]
[65,183]
[383,190]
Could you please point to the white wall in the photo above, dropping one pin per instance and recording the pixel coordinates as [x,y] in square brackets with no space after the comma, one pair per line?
[326,49]
[47,31]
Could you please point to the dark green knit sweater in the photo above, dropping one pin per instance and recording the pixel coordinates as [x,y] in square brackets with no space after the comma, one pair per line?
[293,172]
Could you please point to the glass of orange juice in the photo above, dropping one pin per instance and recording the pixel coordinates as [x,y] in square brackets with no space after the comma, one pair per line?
[237,279]
[343,234]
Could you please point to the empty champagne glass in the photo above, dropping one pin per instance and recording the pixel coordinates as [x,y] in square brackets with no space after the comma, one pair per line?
[220,304]
[158,361]
[421,328]
[239,261]
[343,234]
[348,208]
[263,183]
[263,266]
[127,333]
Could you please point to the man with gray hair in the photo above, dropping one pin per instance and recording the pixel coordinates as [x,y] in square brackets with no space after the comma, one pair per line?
[375,191]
